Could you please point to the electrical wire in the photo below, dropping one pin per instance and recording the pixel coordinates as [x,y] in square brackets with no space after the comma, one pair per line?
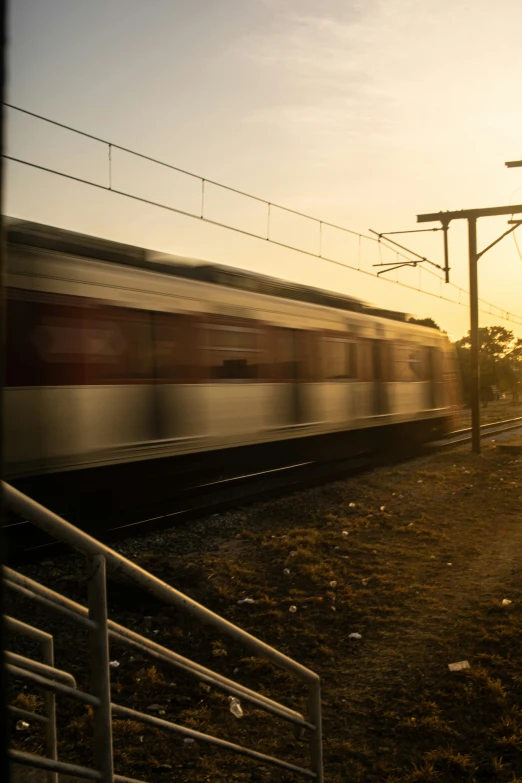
[513,318]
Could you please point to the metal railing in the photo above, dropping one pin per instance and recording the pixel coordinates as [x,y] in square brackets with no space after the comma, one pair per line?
[94,617]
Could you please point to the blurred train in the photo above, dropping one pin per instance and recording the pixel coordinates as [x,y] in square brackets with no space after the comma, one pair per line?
[116,354]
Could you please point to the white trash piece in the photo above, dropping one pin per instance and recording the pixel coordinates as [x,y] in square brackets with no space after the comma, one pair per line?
[235,707]
[344,533]
[351,505]
[457,667]
[292,609]
[354,636]
[246,601]
[114,664]
[188,740]
[286,571]
[506,602]
[22,725]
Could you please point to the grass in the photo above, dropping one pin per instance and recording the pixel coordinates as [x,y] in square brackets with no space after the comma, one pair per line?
[499,410]
[432,548]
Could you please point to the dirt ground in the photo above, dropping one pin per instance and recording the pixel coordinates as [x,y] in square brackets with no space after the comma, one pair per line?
[421,565]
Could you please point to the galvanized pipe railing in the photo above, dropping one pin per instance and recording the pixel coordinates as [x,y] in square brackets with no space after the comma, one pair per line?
[100,629]
[55,600]
[125,636]
[151,720]
[82,542]
[47,643]
[53,766]
[39,668]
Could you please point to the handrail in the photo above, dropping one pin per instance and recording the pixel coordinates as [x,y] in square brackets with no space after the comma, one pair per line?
[124,635]
[20,713]
[54,681]
[39,668]
[79,540]
[47,644]
[41,762]
[142,717]
[52,685]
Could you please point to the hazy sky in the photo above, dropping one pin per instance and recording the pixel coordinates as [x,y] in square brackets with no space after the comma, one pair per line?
[360,113]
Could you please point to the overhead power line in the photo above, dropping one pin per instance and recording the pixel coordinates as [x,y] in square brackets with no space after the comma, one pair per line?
[460,294]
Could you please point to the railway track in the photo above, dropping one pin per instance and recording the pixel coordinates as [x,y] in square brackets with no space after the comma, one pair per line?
[460,437]
[198,499]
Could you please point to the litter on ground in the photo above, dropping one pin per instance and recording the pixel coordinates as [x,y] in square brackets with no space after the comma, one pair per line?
[457,667]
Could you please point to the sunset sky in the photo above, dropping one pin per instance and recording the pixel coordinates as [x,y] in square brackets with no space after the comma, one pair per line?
[362,113]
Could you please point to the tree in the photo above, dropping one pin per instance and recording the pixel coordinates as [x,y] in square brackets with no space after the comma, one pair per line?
[500,357]
[424,322]
[513,369]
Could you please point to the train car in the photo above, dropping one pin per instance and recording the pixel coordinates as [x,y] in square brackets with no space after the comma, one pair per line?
[117,355]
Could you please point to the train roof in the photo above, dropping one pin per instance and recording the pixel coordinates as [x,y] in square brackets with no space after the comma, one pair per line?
[37,235]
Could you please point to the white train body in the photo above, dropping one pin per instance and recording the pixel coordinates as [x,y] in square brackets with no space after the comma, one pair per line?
[114,356]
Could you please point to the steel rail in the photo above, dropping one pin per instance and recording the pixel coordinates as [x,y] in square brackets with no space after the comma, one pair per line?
[141,717]
[451,441]
[17,626]
[40,668]
[47,643]
[52,685]
[42,762]
[224,494]
[97,554]
[127,637]
[489,424]
[57,527]
[35,595]
[30,716]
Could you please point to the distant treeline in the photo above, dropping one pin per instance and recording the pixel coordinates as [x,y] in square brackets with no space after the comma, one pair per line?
[500,361]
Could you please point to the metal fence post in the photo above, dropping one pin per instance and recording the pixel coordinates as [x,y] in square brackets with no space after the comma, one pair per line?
[100,671]
[316,738]
[50,711]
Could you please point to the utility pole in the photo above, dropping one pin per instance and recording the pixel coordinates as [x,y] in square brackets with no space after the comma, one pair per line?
[474,331]
[472,215]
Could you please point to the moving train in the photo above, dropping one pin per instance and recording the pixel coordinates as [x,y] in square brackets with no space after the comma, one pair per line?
[116,354]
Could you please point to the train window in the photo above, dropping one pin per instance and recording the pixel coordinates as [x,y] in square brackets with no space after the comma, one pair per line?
[233,352]
[121,345]
[340,359]
[46,345]
[409,363]
[286,367]
[59,340]
[172,339]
